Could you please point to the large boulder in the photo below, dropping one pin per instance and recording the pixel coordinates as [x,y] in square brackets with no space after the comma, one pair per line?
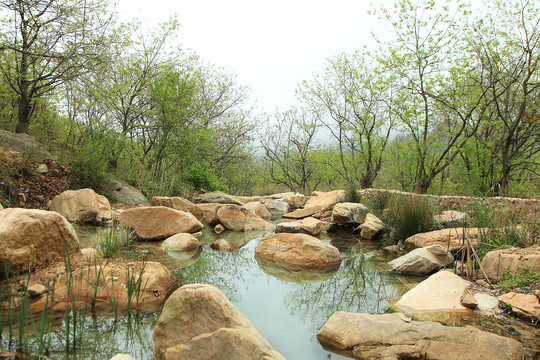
[393,336]
[199,322]
[178,203]
[277,208]
[452,238]
[526,306]
[237,218]
[308,225]
[297,252]
[326,201]
[181,242]
[259,209]
[82,206]
[496,262]
[372,227]
[441,292]
[349,213]
[33,237]
[158,222]
[141,284]
[126,194]
[24,144]
[422,261]
[216,197]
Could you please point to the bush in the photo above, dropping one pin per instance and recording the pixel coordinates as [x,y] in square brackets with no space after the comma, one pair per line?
[408,215]
[351,195]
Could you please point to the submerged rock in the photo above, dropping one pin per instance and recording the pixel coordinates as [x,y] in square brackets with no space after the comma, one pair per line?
[308,276]
[33,237]
[181,242]
[82,206]
[441,292]
[422,261]
[393,336]
[158,222]
[199,322]
[297,252]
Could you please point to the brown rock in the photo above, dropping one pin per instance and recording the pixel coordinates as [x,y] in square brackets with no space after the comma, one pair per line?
[208,207]
[178,203]
[216,197]
[422,261]
[297,252]
[372,227]
[326,201]
[83,206]
[523,305]
[259,209]
[308,225]
[391,336]
[33,236]
[295,201]
[237,218]
[447,238]
[158,222]
[198,322]
[36,290]
[497,261]
[181,242]
[302,213]
[441,292]
[218,229]
[150,280]
[469,301]
[349,213]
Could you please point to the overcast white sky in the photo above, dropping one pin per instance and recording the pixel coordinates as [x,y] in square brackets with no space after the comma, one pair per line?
[270,45]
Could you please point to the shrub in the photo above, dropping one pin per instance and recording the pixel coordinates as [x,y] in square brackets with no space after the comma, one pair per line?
[408,215]
[351,195]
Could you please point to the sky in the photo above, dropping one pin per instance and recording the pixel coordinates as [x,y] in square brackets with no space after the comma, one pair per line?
[271,45]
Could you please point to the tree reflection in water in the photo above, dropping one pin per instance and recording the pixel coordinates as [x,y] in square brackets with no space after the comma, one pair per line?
[358,286]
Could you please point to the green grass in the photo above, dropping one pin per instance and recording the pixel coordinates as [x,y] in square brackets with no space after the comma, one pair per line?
[523,278]
[408,215]
[351,195]
[114,241]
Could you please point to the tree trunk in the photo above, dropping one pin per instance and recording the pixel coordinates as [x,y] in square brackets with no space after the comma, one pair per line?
[23,117]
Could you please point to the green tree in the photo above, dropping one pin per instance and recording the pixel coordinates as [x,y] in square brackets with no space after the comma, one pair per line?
[49,42]
[354,101]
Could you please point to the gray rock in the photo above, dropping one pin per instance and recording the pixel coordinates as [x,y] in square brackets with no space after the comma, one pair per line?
[451,218]
[349,213]
[25,144]
[277,208]
[127,194]
[372,227]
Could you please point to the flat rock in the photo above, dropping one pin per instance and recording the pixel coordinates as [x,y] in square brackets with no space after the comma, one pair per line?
[389,336]
[158,222]
[33,236]
[198,322]
[349,213]
[447,238]
[297,252]
[422,261]
[82,206]
[441,292]
[178,203]
[302,213]
[523,305]
[497,261]
[308,225]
